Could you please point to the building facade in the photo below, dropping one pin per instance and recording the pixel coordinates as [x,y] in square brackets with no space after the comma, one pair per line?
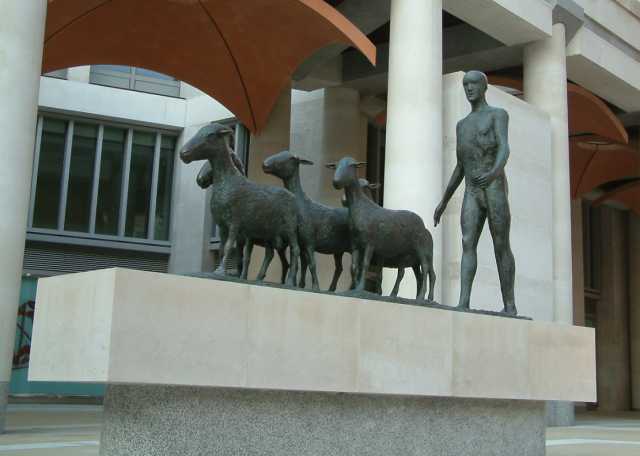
[106,188]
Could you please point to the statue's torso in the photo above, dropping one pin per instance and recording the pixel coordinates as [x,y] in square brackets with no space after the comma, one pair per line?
[477,143]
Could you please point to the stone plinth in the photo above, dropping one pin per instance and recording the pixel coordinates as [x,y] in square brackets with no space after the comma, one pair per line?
[275,354]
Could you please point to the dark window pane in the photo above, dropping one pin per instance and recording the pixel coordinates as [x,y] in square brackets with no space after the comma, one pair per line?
[110,187]
[165,179]
[83,154]
[47,202]
[140,176]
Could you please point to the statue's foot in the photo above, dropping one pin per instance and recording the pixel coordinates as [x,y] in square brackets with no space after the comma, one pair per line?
[463,307]
[220,272]
[510,310]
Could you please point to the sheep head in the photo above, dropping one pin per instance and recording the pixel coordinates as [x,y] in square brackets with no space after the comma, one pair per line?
[346,172]
[210,142]
[284,164]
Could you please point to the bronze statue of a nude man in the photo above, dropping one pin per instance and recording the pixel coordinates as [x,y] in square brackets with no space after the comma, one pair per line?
[482,152]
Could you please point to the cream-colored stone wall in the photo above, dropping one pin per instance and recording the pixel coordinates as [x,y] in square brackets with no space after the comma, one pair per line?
[529,175]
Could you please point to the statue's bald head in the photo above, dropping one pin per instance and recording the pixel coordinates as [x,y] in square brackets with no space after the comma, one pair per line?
[476,76]
[475,84]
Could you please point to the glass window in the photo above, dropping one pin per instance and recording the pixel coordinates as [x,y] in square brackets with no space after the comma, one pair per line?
[83,155]
[118,181]
[165,181]
[140,178]
[50,168]
[110,185]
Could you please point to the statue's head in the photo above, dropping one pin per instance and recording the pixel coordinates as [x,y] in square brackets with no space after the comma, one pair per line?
[475,85]
[284,164]
[210,142]
[346,172]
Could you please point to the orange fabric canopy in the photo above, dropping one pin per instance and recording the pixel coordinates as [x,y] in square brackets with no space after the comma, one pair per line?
[241,52]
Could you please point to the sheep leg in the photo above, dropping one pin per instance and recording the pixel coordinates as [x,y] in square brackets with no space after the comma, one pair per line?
[337,258]
[355,269]
[396,287]
[228,249]
[418,274]
[282,253]
[224,233]
[366,262]
[294,249]
[432,280]
[424,264]
[246,257]
[303,269]
[311,259]
[268,256]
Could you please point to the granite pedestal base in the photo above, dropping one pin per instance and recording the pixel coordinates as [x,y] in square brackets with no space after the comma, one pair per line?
[148,420]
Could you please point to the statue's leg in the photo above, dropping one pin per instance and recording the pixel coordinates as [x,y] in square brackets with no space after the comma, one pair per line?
[418,273]
[337,259]
[266,261]
[472,219]
[311,259]
[294,252]
[500,225]
[366,261]
[303,269]
[246,257]
[396,287]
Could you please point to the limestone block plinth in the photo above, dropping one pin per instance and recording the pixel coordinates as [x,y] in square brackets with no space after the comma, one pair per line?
[198,366]
[124,326]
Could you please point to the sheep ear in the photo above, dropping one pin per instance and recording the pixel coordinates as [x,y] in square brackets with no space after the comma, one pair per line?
[360,164]
[374,186]
[303,161]
[331,165]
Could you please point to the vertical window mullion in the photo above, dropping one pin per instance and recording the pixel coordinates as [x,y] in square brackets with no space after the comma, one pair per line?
[96,180]
[154,188]
[34,171]
[62,207]
[124,195]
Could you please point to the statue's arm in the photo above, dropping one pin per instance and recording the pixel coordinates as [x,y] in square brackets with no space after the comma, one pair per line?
[501,130]
[452,186]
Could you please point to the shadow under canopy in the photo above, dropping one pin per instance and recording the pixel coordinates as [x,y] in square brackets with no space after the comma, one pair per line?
[240,52]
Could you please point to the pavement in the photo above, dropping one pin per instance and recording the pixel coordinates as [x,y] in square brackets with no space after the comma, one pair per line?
[74,430]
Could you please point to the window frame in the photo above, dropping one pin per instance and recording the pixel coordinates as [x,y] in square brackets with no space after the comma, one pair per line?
[127,81]
[62,235]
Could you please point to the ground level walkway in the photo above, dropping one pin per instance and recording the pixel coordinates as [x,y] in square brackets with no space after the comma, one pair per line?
[74,430]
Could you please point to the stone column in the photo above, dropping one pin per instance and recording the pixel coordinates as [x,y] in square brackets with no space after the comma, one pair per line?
[634,307]
[545,86]
[273,138]
[327,125]
[21,41]
[413,162]
[612,328]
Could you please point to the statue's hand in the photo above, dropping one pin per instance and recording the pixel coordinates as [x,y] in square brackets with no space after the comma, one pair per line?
[438,213]
[483,180]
